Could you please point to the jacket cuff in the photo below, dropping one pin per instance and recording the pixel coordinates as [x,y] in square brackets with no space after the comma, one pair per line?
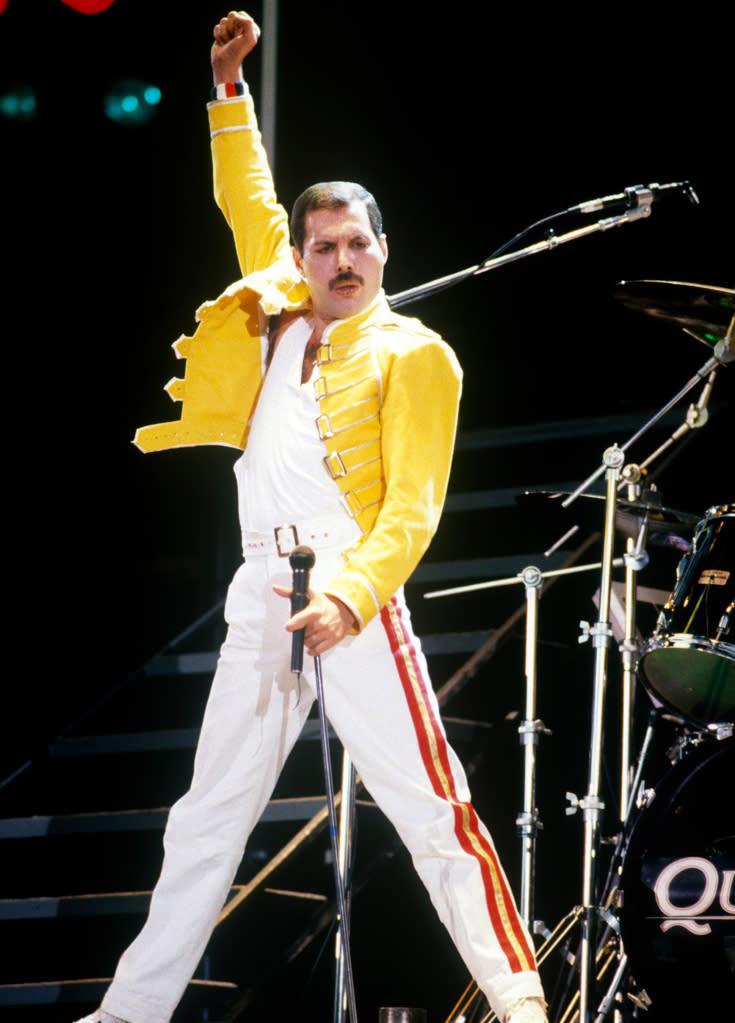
[234,114]
[354,590]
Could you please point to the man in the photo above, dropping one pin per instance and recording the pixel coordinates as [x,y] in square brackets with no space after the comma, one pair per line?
[304,366]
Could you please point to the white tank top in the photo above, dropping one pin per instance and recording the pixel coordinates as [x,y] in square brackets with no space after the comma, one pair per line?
[281,477]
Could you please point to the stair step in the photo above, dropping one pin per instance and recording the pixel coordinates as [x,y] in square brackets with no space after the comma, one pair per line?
[45,908]
[204,662]
[197,663]
[186,738]
[110,903]
[92,990]
[145,742]
[298,809]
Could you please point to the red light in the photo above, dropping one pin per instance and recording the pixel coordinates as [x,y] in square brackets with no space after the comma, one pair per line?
[88,6]
[83,6]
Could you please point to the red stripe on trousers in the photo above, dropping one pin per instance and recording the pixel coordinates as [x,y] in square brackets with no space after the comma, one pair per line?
[401,646]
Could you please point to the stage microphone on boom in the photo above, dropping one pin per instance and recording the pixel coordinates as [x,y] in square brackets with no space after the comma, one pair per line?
[637,195]
[302,561]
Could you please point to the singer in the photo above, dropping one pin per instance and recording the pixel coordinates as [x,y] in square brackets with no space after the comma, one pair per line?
[346,414]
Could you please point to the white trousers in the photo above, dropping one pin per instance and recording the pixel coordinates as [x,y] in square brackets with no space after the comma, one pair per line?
[381,705]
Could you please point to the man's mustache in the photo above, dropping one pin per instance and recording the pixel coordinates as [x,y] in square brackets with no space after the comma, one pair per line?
[345,278]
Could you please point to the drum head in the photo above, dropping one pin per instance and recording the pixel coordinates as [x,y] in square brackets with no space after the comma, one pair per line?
[689,662]
[678,889]
[692,677]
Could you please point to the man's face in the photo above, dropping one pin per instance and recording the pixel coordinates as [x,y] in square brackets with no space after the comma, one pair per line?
[342,261]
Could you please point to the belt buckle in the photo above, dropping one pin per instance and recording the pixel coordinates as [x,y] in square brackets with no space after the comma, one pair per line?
[286,539]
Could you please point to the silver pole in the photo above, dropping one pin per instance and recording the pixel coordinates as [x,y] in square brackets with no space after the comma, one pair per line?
[346,810]
[269,79]
[527,822]
[342,911]
[592,806]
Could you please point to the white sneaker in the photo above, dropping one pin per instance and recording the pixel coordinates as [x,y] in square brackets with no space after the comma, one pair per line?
[527,1010]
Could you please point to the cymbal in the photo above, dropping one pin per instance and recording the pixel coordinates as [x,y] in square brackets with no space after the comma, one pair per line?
[702,309]
[588,510]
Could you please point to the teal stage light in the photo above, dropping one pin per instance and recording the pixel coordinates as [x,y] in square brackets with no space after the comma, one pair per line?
[132,102]
[18,103]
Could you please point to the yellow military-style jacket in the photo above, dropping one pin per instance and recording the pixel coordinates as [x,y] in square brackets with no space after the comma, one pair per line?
[387,387]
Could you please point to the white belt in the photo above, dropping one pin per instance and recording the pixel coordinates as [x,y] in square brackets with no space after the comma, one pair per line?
[316,533]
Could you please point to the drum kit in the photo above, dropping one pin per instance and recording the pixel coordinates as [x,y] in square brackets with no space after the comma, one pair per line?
[656,935]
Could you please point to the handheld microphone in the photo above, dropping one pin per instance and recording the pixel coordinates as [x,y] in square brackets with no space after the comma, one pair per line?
[301,560]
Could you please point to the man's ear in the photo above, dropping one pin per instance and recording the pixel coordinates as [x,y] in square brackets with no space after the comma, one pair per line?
[383,241]
[298,260]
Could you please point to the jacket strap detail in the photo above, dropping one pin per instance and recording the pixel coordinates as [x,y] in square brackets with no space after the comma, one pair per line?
[335,353]
[330,424]
[339,463]
[323,390]
[355,502]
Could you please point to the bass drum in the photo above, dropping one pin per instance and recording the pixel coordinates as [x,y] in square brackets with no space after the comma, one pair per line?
[677,913]
[688,665]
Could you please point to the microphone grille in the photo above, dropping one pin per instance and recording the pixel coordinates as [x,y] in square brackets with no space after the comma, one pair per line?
[302,557]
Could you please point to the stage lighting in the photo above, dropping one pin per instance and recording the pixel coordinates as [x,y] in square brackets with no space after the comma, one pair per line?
[19,103]
[132,102]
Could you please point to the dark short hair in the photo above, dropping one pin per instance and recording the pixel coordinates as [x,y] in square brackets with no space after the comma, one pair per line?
[330,195]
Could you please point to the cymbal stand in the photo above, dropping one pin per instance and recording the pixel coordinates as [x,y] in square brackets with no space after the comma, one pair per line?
[701,373]
[591,805]
[635,559]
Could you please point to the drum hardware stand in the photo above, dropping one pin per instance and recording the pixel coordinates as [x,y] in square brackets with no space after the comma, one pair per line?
[697,416]
[591,805]
[601,634]
[637,798]
[635,559]
[527,823]
[701,373]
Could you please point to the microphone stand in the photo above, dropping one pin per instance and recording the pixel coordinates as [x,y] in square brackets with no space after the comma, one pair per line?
[552,241]
[302,561]
[344,988]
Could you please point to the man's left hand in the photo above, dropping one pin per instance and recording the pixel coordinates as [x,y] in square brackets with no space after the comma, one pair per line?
[326,621]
